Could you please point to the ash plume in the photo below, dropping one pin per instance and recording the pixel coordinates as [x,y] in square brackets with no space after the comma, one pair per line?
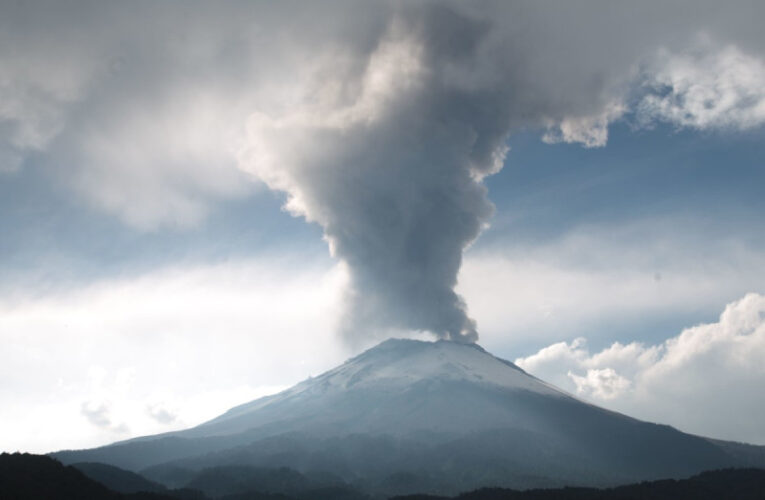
[378,120]
[391,166]
[393,133]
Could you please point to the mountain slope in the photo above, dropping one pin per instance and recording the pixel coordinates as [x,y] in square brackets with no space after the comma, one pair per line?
[116,479]
[442,417]
[398,387]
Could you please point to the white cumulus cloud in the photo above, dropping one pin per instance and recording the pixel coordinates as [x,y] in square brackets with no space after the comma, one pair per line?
[706,380]
[705,88]
[602,383]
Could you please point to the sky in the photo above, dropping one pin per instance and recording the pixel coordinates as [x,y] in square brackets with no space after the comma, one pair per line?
[201,204]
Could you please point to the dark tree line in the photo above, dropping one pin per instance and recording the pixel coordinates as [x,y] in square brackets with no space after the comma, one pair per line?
[35,477]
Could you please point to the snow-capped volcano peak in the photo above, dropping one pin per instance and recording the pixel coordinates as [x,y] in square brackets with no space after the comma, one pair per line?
[448,412]
[396,386]
[403,362]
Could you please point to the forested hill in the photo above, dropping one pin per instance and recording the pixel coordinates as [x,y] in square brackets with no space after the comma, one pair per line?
[727,484]
[34,477]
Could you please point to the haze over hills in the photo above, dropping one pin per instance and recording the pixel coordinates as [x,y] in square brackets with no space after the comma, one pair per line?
[441,417]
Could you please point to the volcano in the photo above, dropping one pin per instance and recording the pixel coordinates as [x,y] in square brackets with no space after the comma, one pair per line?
[441,417]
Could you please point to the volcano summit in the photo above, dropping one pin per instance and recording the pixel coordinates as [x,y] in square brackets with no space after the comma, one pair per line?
[442,417]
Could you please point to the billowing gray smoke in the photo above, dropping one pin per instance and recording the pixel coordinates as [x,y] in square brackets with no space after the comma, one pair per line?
[392,166]
[388,146]
[379,120]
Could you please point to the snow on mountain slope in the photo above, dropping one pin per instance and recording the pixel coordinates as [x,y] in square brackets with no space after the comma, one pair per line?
[450,414]
[404,362]
[412,384]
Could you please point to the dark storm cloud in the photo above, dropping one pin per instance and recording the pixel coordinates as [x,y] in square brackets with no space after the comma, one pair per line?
[378,120]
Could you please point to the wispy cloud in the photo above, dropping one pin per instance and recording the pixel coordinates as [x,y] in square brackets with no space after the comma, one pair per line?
[99,414]
[162,414]
[162,351]
[607,281]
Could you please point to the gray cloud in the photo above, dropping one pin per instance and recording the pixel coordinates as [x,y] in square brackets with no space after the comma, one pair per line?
[378,120]
[139,109]
[389,157]
[99,415]
[392,170]
[161,414]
